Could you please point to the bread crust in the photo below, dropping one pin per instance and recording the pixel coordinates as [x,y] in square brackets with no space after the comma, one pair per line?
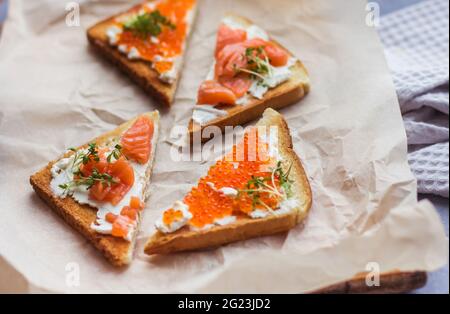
[245,227]
[283,95]
[116,250]
[140,71]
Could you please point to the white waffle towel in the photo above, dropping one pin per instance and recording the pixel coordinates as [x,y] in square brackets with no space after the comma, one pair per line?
[416,41]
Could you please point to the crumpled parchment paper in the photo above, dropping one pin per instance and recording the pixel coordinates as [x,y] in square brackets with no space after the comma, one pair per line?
[56,93]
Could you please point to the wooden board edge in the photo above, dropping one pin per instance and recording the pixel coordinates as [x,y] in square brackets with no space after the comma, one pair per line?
[390,282]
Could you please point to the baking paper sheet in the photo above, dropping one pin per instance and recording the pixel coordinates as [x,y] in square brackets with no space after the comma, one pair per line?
[56,93]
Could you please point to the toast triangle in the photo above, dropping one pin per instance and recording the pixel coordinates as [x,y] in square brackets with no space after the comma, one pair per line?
[285,94]
[186,239]
[117,251]
[139,71]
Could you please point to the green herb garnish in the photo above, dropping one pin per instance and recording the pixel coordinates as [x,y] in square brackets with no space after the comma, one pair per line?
[91,154]
[258,62]
[285,182]
[116,152]
[89,181]
[256,186]
[82,157]
[148,24]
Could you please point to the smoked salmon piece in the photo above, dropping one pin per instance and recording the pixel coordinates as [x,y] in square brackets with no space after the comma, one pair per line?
[213,93]
[121,226]
[129,212]
[136,142]
[230,59]
[234,57]
[234,61]
[122,174]
[239,84]
[277,56]
[136,203]
[110,217]
[227,36]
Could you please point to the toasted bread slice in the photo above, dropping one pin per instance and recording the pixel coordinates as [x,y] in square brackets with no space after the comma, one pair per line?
[285,94]
[117,250]
[141,72]
[244,228]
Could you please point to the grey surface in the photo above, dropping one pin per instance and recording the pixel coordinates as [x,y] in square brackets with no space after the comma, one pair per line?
[388,6]
[3,9]
[438,281]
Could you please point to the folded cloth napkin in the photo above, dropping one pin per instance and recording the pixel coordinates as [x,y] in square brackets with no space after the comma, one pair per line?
[416,41]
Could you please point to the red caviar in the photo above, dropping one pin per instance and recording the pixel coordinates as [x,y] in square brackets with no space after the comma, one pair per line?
[170,42]
[172,215]
[247,160]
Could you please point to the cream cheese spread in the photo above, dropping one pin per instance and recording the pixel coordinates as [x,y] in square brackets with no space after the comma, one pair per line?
[176,223]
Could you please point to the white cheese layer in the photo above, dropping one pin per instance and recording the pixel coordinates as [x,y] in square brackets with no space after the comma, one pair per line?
[276,76]
[113,33]
[227,191]
[225,220]
[177,223]
[285,207]
[217,222]
[62,172]
[202,114]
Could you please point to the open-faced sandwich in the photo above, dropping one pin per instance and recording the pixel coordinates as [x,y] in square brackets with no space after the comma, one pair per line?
[100,188]
[251,72]
[259,188]
[148,42]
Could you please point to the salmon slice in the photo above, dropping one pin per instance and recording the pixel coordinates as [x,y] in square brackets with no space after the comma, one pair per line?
[227,36]
[239,84]
[122,174]
[136,142]
[120,171]
[233,57]
[230,59]
[121,226]
[231,81]
[213,93]
[277,56]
